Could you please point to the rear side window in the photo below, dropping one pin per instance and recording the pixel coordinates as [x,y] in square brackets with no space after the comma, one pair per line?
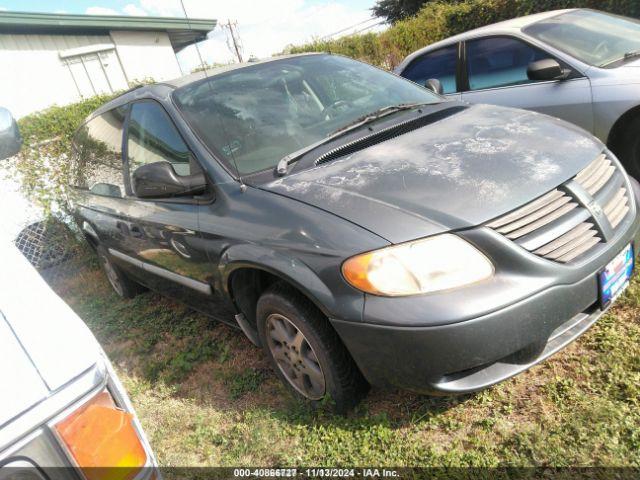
[152,137]
[500,62]
[440,64]
[96,163]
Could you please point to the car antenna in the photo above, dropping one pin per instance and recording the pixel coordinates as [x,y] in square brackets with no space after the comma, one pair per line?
[243,187]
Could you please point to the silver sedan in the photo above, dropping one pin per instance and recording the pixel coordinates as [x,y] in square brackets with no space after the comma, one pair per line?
[579,65]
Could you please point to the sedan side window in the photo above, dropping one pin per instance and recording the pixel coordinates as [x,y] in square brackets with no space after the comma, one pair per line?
[152,137]
[441,64]
[500,62]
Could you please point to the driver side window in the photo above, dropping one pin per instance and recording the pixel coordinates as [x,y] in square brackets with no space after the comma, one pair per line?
[152,138]
[500,62]
[441,64]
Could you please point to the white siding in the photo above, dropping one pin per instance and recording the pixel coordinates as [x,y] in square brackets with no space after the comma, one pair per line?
[33,75]
[146,55]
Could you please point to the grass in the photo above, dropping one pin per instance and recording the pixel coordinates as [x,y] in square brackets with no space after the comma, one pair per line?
[206,396]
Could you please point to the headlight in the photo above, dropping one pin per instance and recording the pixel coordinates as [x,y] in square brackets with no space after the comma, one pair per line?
[437,263]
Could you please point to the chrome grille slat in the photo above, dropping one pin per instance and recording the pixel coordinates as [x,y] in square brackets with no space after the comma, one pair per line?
[588,170]
[606,193]
[580,239]
[555,229]
[526,220]
[559,227]
[619,197]
[600,182]
[617,208]
[562,240]
[543,221]
[593,179]
[616,220]
[596,174]
[578,251]
[527,209]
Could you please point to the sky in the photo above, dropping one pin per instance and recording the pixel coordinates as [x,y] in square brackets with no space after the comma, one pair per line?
[265,26]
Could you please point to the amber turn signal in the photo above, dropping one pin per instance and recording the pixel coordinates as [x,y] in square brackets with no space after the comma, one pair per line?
[100,435]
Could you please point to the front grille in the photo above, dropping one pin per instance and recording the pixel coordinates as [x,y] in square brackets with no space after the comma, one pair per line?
[560,227]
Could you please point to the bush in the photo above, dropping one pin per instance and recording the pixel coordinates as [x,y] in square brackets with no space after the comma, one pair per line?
[42,167]
[440,20]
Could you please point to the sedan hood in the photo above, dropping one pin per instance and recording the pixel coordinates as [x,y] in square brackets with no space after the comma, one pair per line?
[44,344]
[459,172]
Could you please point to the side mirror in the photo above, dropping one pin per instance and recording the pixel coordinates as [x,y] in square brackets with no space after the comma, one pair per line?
[159,180]
[434,85]
[10,139]
[546,69]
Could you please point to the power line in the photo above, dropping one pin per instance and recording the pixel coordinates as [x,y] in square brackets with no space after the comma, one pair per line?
[348,28]
[368,27]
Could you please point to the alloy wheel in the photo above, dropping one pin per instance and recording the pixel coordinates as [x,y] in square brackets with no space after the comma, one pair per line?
[295,357]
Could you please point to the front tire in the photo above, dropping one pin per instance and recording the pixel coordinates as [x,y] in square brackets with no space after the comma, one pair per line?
[119,281]
[305,352]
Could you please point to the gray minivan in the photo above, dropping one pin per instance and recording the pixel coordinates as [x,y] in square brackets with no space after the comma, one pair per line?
[354,225]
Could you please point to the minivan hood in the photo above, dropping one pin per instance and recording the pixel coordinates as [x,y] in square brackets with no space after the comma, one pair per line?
[459,172]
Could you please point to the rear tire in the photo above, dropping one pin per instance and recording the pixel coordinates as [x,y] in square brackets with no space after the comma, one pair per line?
[119,281]
[626,146]
[305,352]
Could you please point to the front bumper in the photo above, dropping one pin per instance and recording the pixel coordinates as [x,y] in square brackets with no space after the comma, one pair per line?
[531,309]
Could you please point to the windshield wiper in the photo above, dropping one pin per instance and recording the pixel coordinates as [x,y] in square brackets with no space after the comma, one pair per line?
[628,55]
[632,54]
[375,115]
[284,162]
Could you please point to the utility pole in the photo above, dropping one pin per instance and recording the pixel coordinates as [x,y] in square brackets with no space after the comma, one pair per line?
[235,38]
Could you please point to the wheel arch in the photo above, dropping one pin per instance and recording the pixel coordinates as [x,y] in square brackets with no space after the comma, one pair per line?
[261,267]
[617,129]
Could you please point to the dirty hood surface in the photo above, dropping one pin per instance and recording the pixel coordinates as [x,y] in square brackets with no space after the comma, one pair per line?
[455,173]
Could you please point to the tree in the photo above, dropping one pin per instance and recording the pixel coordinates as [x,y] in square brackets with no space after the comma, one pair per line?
[394,10]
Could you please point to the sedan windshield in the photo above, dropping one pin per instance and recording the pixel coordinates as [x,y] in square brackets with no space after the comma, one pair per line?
[592,37]
[254,116]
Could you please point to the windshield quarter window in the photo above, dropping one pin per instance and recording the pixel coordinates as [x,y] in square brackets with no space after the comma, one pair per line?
[253,116]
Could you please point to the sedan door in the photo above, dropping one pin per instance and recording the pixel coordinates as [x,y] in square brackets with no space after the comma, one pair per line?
[496,73]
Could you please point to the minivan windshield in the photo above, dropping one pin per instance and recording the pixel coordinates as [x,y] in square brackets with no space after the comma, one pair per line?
[595,38]
[255,115]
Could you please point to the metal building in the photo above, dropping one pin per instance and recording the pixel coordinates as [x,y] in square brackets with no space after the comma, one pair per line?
[48,59]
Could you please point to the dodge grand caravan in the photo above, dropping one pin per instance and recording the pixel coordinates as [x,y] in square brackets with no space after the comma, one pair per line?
[356,226]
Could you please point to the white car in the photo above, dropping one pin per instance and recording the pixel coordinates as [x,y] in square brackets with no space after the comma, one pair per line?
[62,404]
